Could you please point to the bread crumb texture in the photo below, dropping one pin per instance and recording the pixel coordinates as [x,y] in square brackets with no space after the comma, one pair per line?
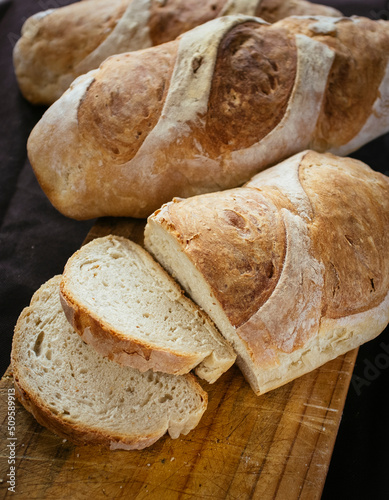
[85,397]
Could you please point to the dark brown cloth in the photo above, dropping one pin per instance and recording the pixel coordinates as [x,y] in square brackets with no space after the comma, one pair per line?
[36,241]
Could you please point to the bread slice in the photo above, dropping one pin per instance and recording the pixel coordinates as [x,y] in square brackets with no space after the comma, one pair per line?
[128,308]
[87,398]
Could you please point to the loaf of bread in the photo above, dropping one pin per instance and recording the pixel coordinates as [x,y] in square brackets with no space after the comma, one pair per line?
[129,309]
[60,44]
[293,267]
[209,110]
[86,398]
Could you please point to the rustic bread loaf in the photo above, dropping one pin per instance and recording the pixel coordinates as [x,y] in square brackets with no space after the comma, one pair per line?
[293,267]
[60,44]
[208,111]
[128,308]
[86,398]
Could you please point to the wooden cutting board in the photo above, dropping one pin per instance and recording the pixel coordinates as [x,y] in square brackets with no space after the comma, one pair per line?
[276,446]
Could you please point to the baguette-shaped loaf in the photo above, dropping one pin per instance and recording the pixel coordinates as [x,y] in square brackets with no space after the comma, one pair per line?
[293,267]
[78,394]
[129,309]
[60,44]
[209,110]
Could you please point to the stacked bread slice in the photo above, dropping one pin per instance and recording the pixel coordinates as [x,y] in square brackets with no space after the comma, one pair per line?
[87,398]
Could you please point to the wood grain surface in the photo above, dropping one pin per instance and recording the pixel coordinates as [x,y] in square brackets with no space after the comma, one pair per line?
[275,446]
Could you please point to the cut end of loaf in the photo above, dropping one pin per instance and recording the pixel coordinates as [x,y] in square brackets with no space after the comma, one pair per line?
[163,242]
[78,394]
[325,302]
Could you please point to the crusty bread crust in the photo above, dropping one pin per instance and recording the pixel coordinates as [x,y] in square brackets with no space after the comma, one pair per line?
[328,289]
[360,76]
[125,156]
[60,44]
[49,50]
[84,431]
[262,89]
[121,140]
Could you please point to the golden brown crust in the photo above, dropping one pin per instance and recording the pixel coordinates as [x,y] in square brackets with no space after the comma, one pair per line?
[59,45]
[349,232]
[332,290]
[121,91]
[361,76]
[171,18]
[54,48]
[253,80]
[244,230]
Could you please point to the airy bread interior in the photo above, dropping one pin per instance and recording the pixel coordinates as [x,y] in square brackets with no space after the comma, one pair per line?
[78,394]
[168,252]
[124,304]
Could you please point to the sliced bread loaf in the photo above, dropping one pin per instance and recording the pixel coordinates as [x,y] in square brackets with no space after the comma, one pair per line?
[87,398]
[293,267]
[128,308]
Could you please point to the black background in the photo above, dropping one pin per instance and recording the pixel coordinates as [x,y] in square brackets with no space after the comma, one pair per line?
[36,241]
